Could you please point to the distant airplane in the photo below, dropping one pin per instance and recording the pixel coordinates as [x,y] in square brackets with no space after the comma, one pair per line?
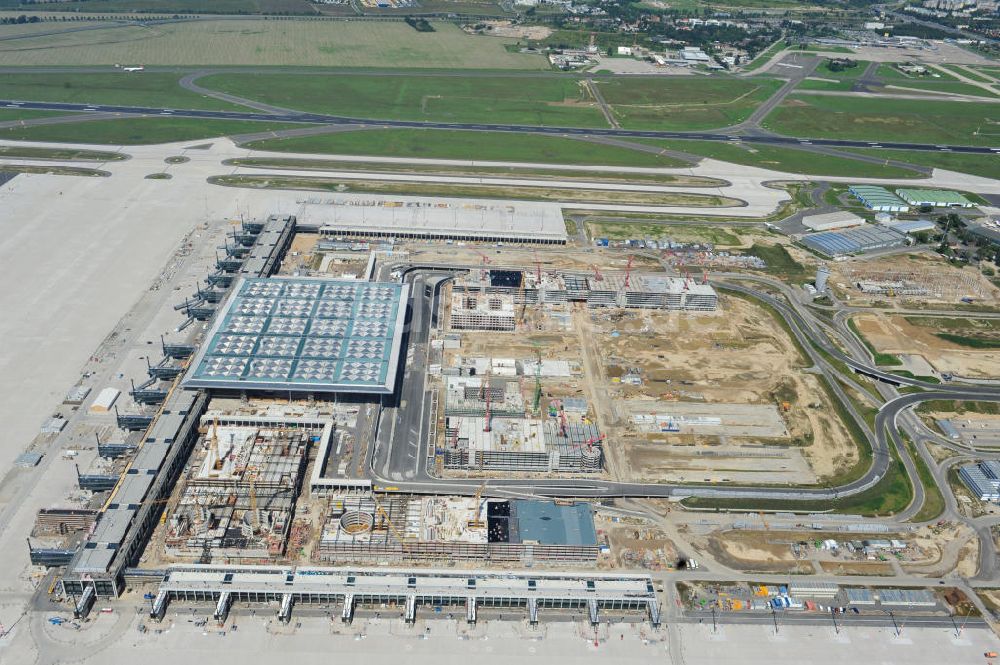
[131,68]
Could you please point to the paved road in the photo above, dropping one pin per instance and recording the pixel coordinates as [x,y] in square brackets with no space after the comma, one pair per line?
[323,119]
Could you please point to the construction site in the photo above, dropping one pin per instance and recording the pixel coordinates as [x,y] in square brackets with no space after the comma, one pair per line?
[362,528]
[610,374]
[919,278]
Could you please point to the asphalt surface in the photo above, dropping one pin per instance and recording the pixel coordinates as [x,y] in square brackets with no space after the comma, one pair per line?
[318,118]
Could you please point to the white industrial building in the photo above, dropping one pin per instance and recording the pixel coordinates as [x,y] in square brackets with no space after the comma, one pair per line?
[424,218]
[832,220]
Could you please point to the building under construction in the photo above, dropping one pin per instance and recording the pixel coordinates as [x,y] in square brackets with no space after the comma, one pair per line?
[239,492]
[482,311]
[626,289]
[521,444]
[363,528]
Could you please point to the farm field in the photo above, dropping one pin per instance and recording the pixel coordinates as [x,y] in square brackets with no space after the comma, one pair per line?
[520,100]
[485,146]
[783,159]
[867,119]
[987,166]
[270,42]
[139,131]
[145,89]
[684,102]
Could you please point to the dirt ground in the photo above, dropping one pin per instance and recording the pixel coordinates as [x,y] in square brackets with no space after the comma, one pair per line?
[636,544]
[894,334]
[942,546]
[856,568]
[738,354]
[506,29]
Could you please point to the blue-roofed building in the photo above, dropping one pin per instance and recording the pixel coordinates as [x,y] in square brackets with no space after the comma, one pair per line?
[551,523]
[859,240]
[982,479]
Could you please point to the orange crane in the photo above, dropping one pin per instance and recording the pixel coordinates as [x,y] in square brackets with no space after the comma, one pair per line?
[628,271]
[597,273]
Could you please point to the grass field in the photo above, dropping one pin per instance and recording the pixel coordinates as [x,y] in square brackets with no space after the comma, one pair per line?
[987,166]
[867,119]
[537,171]
[145,89]
[968,72]
[717,235]
[518,192]
[186,6]
[520,100]
[486,146]
[842,80]
[139,131]
[783,159]
[684,102]
[10,115]
[943,83]
[26,152]
[269,42]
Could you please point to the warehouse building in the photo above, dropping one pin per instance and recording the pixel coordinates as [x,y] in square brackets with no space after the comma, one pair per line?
[442,219]
[867,238]
[937,198]
[982,479]
[878,199]
[831,221]
[304,336]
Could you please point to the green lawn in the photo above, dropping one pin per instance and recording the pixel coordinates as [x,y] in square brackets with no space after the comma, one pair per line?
[842,80]
[544,100]
[941,83]
[779,158]
[968,72]
[139,131]
[778,260]
[987,166]
[685,102]
[868,119]
[445,144]
[158,90]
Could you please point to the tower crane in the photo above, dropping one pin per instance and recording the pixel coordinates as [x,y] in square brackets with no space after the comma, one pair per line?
[476,522]
[628,271]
